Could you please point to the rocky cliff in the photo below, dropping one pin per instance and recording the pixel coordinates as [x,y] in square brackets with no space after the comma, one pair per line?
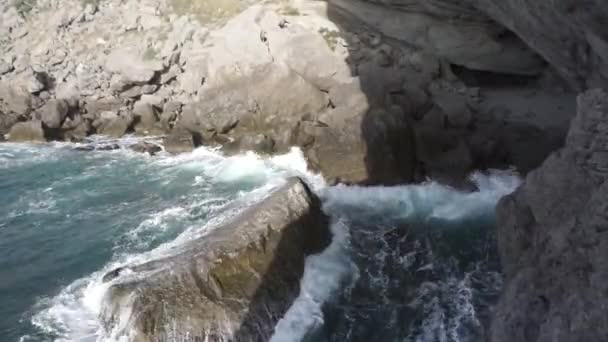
[365,89]
[552,239]
[479,34]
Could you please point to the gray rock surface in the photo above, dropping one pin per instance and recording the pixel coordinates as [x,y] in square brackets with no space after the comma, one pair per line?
[27,131]
[568,34]
[180,141]
[552,240]
[53,113]
[115,127]
[238,280]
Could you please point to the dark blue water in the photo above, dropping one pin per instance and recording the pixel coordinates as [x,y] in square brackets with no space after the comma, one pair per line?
[406,264]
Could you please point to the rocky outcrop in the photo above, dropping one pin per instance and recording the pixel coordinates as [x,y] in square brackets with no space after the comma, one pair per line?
[477,34]
[570,35]
[365,89]
[180,141]
[27,131]
[235,282]
[552,240]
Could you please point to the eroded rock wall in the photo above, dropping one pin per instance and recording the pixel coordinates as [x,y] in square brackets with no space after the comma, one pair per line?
[553,242]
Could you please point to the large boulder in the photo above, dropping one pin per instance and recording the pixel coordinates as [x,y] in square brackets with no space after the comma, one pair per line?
[7,120]
[146,119]
[552,240]
[181,141]
[115,127]
[54,112]
[269,100]
[235,282]
[27,131]
[134,66]
[14,99]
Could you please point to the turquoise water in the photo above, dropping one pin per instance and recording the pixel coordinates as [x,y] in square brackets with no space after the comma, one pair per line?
[417,261]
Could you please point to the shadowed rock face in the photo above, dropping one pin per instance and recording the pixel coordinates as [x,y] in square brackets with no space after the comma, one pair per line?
[553,242]
[237,281]
[569,35]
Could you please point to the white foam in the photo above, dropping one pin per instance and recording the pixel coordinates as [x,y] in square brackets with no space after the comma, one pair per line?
[324,276]
[424,201]
[333,270]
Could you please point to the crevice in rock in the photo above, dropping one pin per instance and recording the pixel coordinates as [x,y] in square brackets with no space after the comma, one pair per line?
[482,79]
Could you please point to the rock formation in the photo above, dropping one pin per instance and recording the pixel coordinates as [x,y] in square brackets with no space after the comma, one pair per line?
[552,241]
[237,280]
[369,101]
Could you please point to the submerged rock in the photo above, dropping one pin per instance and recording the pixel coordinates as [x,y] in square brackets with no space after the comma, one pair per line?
[237,281]
[146,147]
[552,240]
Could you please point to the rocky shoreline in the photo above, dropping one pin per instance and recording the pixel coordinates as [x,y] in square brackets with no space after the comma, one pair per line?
[366,107]
[373,93]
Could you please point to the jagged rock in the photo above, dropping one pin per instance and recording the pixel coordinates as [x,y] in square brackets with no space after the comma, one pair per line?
[454,106]
[5,67]
[359,143]
[146,147]
[95,107]
[14,99]
[454,32]
[238,280]
[75,129]
[27,131]
[130,64]
[146,118]
[6,122]
[180,141]
[116,127]
[53,113]
[258,143]
[269,100]
[552,240]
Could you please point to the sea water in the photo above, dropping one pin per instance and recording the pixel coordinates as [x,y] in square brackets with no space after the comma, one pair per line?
[406,263]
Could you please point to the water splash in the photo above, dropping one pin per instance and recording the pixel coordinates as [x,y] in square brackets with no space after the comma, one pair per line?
[393,271]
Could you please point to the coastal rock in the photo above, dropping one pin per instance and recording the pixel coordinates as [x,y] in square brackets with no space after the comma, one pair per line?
[552,241]
[269,101]
[115,127]
[75,129]
[236,282]
[53,113]
[27,131]
[14,99]
[452,31]
[146,147]
[180,141]
[357,142]
[496,35]
[146,119]
[258,143]
[132,65]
